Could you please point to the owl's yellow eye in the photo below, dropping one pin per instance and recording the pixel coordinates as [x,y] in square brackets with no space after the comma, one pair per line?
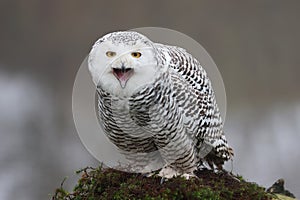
[110,54]
[136,54]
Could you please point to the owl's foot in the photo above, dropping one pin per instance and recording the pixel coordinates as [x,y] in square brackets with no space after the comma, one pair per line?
[168,172]
[189,176]
[186,176]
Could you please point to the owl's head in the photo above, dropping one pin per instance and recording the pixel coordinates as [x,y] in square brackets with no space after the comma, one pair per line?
[121,62]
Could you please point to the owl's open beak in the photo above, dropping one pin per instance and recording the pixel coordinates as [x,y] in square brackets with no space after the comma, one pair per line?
[123,74]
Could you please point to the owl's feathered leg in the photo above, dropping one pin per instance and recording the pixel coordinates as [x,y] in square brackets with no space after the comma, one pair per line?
[169,172]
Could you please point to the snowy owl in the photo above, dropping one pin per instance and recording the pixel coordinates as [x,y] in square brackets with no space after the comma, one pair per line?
[156,104]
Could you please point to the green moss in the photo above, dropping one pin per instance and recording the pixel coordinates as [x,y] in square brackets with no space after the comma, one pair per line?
[206,193]
[108,183]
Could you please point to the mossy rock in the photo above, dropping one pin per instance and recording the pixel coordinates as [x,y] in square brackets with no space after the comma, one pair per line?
[106,183]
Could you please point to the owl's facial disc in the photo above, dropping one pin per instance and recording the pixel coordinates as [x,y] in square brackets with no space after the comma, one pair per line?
[123,74]
[121,63]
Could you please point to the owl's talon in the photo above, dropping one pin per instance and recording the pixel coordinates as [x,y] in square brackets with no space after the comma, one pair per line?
[162,180]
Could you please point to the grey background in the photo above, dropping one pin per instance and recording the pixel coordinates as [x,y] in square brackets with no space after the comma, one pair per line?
[255,45]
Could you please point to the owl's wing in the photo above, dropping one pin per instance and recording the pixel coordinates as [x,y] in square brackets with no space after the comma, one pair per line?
[195,97]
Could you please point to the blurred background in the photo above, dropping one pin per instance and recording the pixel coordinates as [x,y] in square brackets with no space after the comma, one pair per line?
[255,45]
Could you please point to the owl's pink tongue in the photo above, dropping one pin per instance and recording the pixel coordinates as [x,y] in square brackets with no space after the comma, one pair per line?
[123,75]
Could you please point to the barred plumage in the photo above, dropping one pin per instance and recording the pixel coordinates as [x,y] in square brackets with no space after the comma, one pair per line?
[158,109]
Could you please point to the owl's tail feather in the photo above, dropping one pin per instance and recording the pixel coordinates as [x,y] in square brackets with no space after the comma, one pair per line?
[218,158]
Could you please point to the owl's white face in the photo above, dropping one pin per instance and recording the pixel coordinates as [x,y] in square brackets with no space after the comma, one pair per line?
[120,68]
